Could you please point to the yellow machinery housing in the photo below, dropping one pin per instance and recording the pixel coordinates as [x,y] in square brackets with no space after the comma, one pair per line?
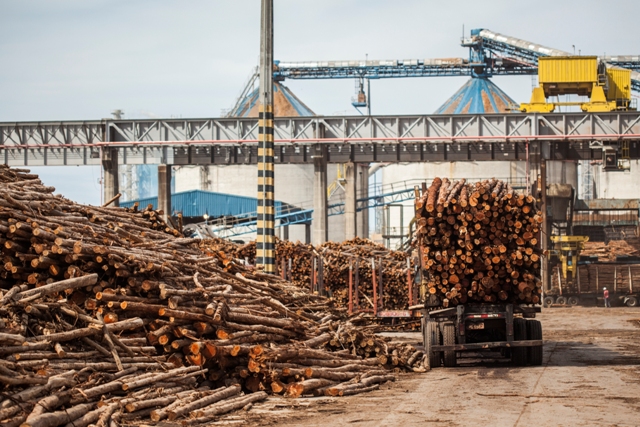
[568,248]
[607,89]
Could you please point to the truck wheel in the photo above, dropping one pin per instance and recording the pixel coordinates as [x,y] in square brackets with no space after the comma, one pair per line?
[431,337]
[561,300]
[573,300]
[548,301]
[449,338]
[534,332]
[423,328]
[632,302]
[519,354]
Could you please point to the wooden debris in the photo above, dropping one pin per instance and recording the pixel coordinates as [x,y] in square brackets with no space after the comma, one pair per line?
[122,320]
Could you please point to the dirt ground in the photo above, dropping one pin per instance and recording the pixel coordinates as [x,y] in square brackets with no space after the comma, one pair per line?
[590,377]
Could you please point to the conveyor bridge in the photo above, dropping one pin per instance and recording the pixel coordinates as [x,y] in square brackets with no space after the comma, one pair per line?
[412,138]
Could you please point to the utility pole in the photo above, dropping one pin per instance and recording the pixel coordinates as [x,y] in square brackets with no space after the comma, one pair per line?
[265,243]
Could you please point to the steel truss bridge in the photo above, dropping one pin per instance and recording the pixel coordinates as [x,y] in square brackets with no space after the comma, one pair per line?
[411,138]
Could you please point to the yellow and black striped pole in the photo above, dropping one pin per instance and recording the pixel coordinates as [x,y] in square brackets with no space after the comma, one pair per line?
[265,243]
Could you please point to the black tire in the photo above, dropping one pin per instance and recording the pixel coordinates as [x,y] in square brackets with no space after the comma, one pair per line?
[561,300]
[436,337]
[534,332]
[573,300]
[548,301]
[423,328]
[519,354]
[431,337]
[632,302]
[449,338]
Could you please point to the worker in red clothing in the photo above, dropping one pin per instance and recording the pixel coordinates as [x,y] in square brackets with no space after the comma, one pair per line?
[605,294]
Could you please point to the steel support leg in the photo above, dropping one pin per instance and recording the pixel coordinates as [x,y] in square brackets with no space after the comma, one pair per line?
[164,190]
[320,219]
[350,200]
[110,171]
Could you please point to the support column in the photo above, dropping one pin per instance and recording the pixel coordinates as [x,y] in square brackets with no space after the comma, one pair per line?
[362,217]
[320,219]
[110,172]
[544,235]
[350,200]
[164,190]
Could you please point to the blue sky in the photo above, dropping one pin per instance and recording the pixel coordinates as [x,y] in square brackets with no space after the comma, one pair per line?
[79,60]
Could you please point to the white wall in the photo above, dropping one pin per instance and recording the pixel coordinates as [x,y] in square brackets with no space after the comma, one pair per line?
[618,184]
[187,178]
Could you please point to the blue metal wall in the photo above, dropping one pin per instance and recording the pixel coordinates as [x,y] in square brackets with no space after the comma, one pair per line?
[197,202]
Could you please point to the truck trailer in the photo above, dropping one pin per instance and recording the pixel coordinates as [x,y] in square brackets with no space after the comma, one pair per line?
[622,280]
[453,332]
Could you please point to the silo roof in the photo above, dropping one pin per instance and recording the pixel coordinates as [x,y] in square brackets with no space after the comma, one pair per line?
[477,96]
[285,104]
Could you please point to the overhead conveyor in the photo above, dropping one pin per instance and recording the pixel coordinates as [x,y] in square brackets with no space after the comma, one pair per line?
[490,54]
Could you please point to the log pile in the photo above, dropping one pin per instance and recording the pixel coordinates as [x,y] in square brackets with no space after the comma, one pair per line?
[107,317]
[391,270]
[297,262]
[478,242]
[608,252]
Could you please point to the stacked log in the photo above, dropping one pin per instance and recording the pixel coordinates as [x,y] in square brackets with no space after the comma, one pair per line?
[297,262]
[106,315]
[478,242]
[608,252]
[391,270]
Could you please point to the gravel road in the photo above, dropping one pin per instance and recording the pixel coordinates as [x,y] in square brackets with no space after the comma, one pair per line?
[590,377]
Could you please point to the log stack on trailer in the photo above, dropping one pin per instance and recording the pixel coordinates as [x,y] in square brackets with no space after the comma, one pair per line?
[106,315]
[479,242]
[622,280]
[480,264]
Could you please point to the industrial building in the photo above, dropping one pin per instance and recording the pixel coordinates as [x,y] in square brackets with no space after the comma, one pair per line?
[383,188]
[354,175]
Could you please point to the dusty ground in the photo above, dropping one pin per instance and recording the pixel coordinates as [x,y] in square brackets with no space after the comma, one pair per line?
[590,377]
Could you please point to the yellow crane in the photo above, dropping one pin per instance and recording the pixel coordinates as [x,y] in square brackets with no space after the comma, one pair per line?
[608,89]
[567,249]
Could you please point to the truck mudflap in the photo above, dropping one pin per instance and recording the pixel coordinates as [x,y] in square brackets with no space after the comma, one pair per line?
[487,345]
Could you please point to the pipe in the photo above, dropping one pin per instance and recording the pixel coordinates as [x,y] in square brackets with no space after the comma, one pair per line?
[376,167]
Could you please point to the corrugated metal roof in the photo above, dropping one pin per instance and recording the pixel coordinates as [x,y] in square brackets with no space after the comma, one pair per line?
[478,96]
[285,104]
[198,202]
